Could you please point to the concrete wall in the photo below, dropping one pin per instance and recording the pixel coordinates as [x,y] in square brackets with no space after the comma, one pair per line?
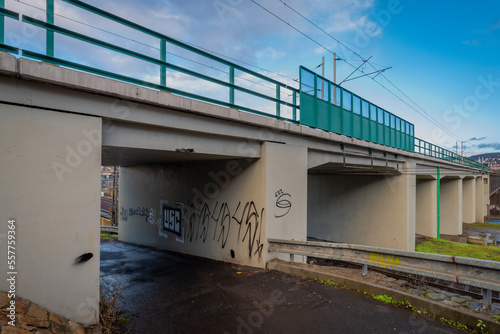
[50,174]
[360,209]
[469,200]
[286,193]
[451,206]
[426,207]
[229,208]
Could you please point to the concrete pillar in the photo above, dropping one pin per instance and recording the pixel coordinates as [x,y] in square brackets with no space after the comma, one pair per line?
[363,209]
[486,195]
[451,206]
[50,185]
[426,204]
[480,200]
[286,192]
[469,200]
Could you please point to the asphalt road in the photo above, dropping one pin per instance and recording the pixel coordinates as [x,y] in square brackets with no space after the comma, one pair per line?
[171,293]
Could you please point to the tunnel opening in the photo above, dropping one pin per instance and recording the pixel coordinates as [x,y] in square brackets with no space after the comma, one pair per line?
[358,204]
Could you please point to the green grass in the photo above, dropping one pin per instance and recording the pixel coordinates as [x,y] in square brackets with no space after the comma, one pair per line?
[440,246]
[488,225]
[109,236]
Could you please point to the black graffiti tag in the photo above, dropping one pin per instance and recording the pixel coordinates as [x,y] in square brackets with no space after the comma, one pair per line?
[283,202]
[219,218]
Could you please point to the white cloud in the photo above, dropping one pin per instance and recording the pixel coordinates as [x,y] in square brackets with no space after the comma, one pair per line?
[270,52]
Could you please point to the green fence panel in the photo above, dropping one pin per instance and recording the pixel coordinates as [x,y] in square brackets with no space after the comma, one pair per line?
[365,129]
[373,132]
[322,114]
[356,126]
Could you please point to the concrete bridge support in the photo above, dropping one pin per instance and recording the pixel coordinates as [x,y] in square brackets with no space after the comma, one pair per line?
[224,209]
[426,203]
[469,200]
[363,209]
[451,205]
[50,173]
[480,200]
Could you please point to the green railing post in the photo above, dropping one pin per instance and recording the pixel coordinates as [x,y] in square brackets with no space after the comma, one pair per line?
[2,23]
[341,92]
[50,34]
[231,81]
[352,115]
[315,99]
[163,57]
[278,104]
[294,106]
[439,202]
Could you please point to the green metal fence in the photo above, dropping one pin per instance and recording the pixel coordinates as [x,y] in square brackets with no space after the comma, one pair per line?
[279,100]
[323,104]
[431,150]
[326,105]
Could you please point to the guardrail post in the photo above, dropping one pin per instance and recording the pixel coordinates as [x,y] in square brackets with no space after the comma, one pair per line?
[365,270]
[278,104]
[2,23]
[487,299]
[231,81]
[50,34]
[163,57]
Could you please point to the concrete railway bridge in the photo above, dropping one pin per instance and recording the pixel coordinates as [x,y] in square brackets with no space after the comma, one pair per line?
[207,177]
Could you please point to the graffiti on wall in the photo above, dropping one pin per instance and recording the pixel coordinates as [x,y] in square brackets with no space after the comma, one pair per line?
[125,214]
[283,203]
[214,223]
[150,216]
[207,223]
[172,220]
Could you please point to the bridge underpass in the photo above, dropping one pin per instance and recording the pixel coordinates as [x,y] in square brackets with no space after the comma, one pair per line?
[205,179]
[195,178]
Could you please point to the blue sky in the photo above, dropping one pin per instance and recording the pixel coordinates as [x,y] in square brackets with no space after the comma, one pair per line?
[444,54]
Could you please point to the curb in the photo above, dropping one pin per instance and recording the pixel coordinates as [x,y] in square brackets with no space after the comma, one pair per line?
[467,318]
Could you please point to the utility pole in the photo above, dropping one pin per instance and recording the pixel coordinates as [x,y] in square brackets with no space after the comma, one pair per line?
[323,81]
[334,67]
[462,150]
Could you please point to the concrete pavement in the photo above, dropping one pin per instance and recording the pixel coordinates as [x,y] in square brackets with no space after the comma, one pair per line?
[171,293]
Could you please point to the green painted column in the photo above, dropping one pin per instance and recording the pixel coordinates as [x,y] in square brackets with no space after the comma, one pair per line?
[50,34]
[439,202]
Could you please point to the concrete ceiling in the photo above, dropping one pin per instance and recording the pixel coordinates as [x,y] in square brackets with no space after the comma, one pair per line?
[336,168]
[123,156]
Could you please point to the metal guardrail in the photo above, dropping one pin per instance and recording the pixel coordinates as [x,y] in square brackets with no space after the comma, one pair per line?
[111,229]
[331,108]
[478,273]
[237,86]
[431,150]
